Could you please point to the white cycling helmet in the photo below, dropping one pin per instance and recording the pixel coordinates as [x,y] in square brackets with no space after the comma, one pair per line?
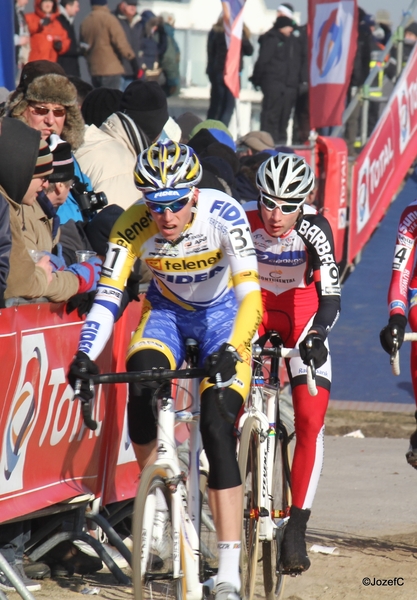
[285,176]
[167,165]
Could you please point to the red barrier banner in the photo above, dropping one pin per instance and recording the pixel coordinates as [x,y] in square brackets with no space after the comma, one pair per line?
[385,160]
[47,454]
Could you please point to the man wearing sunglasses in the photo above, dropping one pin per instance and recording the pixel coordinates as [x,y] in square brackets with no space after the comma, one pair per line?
[205,285]
[301,299]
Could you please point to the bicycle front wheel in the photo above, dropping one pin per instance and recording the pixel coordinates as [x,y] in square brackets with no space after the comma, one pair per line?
[154,541]
[273,579]
[250,475]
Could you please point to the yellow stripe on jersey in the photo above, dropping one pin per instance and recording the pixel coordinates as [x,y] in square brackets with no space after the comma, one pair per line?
[248,319]
[245,277]
[166,292]
[195,262]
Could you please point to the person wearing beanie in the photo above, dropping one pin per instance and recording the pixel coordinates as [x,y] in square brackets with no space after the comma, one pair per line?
[41,230]
[109,153]
[286,10]
[48,38]
[106,45]
[187,121]
[99,104]
[279,72]
[47,101]
[146,103]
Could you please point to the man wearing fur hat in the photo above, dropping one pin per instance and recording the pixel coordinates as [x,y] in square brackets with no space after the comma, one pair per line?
[278,72]
[46,100]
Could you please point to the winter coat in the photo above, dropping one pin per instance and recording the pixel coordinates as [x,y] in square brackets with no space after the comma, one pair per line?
[25,278]
[217,48]
[153,41]
[46,41]
[37,232]
[170,62]
[279,61]
[69,60]
[109,157]
[133,32]
[5,245]
[106,41]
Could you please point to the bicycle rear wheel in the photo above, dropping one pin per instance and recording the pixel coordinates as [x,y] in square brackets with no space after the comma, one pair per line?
[274,580]
[250,475]
[153,575]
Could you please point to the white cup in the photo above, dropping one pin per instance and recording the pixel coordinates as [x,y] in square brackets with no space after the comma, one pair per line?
[36,255]
[84,255]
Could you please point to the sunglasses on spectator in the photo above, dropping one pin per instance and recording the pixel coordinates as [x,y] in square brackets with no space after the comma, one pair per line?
[174,206]
[42,111]
[287,208]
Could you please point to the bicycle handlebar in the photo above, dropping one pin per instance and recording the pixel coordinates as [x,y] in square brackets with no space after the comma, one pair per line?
[282,352]
[410,336]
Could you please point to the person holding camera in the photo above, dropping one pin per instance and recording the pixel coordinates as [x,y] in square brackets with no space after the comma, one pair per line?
[48,38]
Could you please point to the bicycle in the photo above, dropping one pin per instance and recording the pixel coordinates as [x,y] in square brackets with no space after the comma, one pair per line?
[410,336]
[165,488]
[264,464]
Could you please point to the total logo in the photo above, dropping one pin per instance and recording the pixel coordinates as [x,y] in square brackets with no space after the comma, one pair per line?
[37,392]
[362,207]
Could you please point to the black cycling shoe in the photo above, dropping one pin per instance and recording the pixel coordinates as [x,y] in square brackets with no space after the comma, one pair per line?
[294,559]
[411,454]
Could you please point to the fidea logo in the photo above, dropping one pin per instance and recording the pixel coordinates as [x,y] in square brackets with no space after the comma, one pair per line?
[166,193]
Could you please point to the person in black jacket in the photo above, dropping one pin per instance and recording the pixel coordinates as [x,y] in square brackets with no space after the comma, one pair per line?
[69,60]
[278,73]
[130,20]
[222,101]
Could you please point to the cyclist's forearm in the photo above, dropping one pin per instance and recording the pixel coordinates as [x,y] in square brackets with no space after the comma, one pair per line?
[96,331]
[247,321]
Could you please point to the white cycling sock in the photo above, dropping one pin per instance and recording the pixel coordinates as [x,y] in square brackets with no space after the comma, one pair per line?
[229,557]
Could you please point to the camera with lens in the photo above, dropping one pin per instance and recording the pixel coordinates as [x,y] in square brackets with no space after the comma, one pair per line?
[89,202]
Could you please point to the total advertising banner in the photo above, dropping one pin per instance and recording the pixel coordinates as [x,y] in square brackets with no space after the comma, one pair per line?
[385,160]
[332,37]
[47,455]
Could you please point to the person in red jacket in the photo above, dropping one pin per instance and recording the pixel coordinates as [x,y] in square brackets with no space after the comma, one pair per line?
[48,38]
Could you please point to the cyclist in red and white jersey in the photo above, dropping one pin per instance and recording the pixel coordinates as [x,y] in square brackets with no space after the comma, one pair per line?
[402,295]
[301,299]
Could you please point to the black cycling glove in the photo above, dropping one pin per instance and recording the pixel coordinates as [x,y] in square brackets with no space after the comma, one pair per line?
[223,363]
[312,348]
[396,322]
[82,365]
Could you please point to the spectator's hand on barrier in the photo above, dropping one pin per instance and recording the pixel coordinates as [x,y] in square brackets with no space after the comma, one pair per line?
[57,262]
[45,264]
[45,21]
[396,323]
[312,348]
[223,363]
[57,45]
[81,302]
[88,274]
[82,365]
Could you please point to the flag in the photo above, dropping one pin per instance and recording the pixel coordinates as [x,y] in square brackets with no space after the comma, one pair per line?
[233,26]
[332,37]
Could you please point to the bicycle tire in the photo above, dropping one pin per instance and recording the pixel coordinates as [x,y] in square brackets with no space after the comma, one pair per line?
[151,579]
[273,579]
[248,459]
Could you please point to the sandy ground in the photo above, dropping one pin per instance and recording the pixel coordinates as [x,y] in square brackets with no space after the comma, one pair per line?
[368,563]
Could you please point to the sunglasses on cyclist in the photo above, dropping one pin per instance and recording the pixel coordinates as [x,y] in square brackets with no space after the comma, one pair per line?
[287,208]
[42,111]
[174,206]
